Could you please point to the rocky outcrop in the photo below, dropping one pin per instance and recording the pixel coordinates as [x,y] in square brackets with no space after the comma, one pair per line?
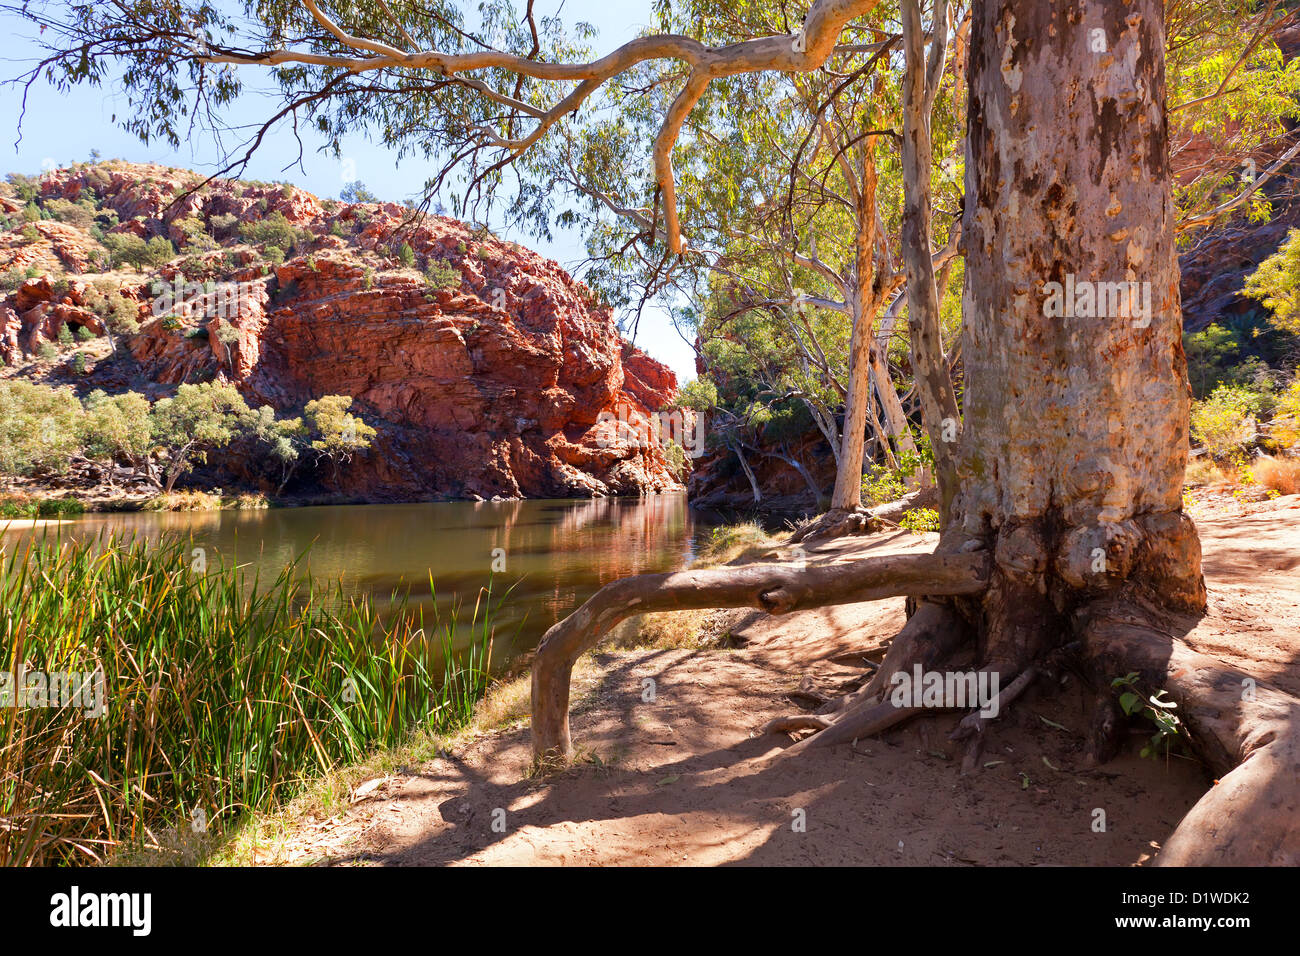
[485,367]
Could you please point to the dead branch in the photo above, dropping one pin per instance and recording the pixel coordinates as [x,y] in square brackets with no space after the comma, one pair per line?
[775,588]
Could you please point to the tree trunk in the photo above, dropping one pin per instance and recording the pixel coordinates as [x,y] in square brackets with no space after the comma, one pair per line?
[1075,437]
[749,473]
[862,300]
[939,412]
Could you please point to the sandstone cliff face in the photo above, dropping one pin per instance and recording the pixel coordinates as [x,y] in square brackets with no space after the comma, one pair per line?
[486,373]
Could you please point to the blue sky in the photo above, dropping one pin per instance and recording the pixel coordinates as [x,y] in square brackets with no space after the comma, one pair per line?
[65,128]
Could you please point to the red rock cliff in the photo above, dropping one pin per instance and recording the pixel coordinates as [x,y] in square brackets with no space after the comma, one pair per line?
[485,367]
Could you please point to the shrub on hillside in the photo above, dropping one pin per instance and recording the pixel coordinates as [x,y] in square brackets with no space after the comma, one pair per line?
[273,230]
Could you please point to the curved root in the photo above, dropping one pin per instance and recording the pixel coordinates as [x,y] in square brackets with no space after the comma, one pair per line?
[1248,734]
[780,725]
[775,588]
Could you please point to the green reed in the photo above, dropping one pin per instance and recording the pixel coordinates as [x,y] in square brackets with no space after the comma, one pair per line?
[222,695]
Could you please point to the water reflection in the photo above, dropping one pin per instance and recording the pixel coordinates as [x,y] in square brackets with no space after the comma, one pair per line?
[556,553]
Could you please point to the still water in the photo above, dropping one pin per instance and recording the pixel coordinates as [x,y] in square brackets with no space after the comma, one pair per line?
[551,554]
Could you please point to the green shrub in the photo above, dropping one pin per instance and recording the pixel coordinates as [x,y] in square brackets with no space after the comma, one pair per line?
[920,520]
[120,314]
[1285,426]
[273,230]
[1225,422]
[442,275]
[1276,283]
[881,485]
[128,249]
[223,222]
[80,214]
[40,507]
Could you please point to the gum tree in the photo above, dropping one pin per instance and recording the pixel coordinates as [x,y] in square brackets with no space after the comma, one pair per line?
[1064,530]
[196,420]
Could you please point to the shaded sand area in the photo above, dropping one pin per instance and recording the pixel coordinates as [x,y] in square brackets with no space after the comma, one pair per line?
[684,778]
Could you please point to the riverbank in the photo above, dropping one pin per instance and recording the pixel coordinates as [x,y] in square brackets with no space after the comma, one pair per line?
[34,500]
[686,779]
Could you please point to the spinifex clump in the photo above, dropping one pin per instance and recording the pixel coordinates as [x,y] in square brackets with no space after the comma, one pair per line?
[218,694]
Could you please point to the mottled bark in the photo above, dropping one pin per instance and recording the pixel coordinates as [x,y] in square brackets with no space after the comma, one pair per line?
[864,299]
[1075,434]
[939,412]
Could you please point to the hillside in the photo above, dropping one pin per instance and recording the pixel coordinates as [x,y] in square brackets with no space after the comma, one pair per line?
[485,369]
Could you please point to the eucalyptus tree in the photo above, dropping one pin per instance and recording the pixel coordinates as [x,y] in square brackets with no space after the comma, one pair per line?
[1064,533]
[788,211]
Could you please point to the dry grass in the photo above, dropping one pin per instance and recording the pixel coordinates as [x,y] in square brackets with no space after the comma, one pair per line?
[1278,474]
[205,501]
[669,630]
[184,501]
[1203,472]
[665,630]
[745,541]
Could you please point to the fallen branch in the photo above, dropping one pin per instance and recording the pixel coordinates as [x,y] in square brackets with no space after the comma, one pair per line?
[775,588]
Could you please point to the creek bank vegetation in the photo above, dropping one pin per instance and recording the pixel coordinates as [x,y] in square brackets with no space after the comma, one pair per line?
[122,449]
[213,697]
[1055,445]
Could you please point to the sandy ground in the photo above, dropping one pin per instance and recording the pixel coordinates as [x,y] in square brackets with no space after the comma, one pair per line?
[684,779]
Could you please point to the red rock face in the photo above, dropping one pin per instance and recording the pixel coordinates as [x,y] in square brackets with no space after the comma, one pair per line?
[502,381]
[497,387]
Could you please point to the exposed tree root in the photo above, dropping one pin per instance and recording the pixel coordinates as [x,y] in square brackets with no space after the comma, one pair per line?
[866,719]
[785,725]
[777,589]
[1251,817]
[929,636]
[971,727]
[814,697]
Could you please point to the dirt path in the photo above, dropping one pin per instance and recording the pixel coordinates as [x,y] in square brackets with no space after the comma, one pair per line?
[683,779]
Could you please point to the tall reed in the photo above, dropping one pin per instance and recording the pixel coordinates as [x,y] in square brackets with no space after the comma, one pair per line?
[221,694]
